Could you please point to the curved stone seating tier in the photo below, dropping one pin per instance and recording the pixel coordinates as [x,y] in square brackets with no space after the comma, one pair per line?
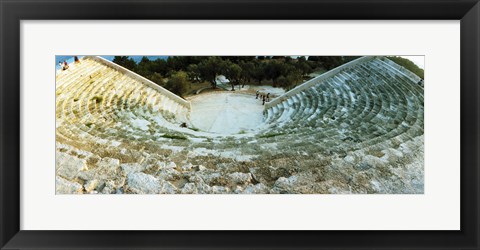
[101,91]
[371,102]
[96,103]
[352,123]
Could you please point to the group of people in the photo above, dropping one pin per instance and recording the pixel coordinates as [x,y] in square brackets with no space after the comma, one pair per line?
[264,97]
[64,65]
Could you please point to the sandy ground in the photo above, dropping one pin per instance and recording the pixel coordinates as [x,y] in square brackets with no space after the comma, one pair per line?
[226,112]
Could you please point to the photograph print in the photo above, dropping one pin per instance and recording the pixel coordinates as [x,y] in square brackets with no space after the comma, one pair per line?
[256,124]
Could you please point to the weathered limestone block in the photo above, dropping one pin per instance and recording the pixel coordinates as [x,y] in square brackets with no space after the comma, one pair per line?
[108,163]
[269,174]
[69,166]
[370,161]
[159,165]
[187,167]
[360,183]
[220,190]
[63,186]
[238,190]
[260,188]
[128,168]
[334,187]
[392,154]
[143,183]
[285,185]
[168,173]
[349,158]
[106,170]
[171,165]
[412,176]
[168,188]
[189,188]
[91,185]
[203,188]
[109,188]
[240,178]
[208,178]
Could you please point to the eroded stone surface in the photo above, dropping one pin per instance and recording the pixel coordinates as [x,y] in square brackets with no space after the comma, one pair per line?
[63,186]
[69,166]
[143,183]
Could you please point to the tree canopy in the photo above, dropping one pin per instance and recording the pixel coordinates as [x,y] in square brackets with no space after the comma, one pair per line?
[178,83]
[408,65]
[186,71]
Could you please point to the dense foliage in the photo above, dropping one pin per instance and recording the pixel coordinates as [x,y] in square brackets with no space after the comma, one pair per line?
[180,74]
[408,65]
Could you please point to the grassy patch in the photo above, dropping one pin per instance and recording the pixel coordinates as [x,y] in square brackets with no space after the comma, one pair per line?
[92,161]
[172,136]
[195,129]
[269,135]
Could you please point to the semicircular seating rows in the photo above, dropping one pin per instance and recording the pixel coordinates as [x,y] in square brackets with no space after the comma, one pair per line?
[355,129]
[362,105]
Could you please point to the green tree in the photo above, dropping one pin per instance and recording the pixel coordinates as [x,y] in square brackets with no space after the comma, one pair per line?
[210,68]
[193,73]
[144,68]
[248,68]
[157,78]
[294,78]
[330,62]
[274,69]
[259,72]
[176,63]
[159,66]
[408,65]
[349,58]
[282,82]
[233,72]
[178,83]
[304,67]
[125,61]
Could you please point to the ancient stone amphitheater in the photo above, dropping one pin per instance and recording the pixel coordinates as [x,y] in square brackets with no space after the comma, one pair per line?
[355,129]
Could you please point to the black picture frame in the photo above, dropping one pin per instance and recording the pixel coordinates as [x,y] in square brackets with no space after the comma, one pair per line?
[13,11]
